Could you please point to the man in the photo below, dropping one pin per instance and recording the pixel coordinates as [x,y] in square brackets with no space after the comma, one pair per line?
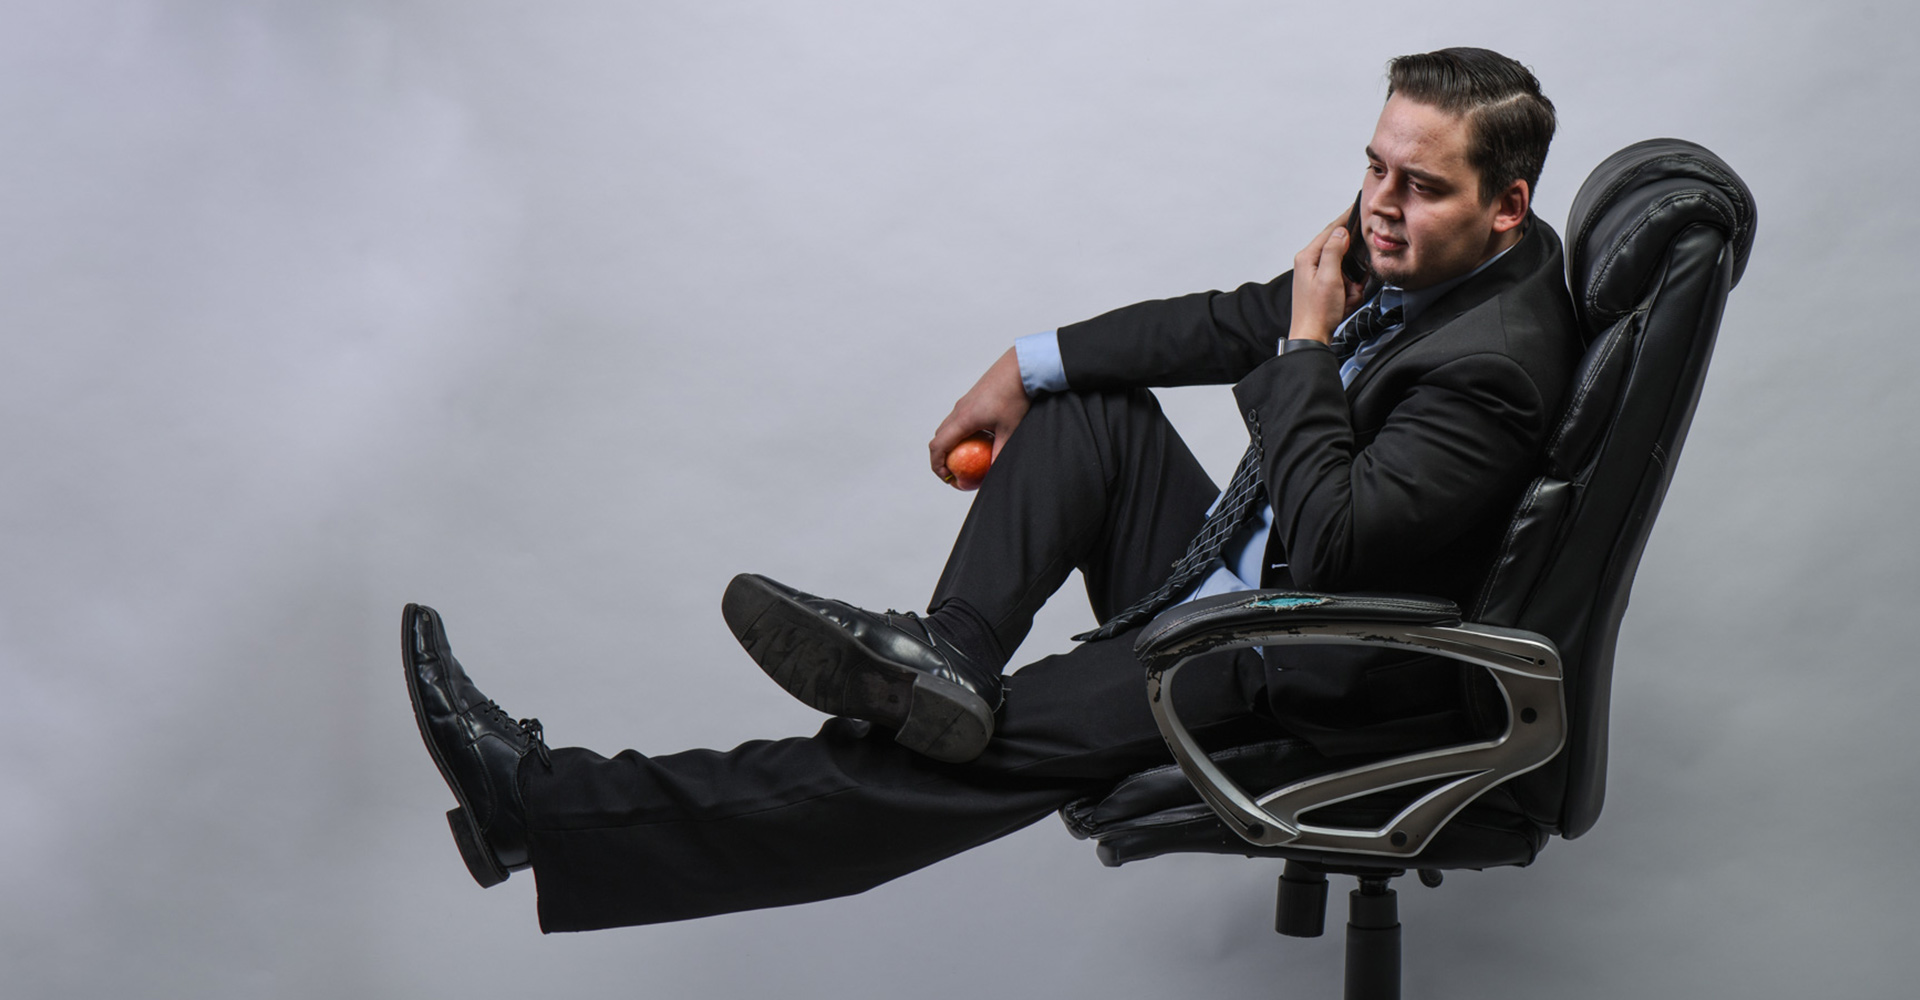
[1393,425]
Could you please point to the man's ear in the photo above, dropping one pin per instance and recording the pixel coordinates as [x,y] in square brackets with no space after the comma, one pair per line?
[1510,206]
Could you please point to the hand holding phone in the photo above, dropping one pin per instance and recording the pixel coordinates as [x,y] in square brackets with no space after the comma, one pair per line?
[1328,288]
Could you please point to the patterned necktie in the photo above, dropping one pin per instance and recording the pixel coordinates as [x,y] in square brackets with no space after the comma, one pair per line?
[1242,495]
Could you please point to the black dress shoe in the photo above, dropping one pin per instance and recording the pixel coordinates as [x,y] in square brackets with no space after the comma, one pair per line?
[889,669]
[478,748]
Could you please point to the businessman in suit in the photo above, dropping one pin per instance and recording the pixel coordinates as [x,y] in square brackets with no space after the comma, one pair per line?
[1393,421]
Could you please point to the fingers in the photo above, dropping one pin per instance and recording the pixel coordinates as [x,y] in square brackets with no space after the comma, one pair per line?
[948,434]
[960,425]
[1356,293]
[1321,257]
[955,430]
[1319,289]
[1331,250]
[1309,257]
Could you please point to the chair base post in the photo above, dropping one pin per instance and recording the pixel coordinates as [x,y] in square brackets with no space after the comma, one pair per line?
[1373,941]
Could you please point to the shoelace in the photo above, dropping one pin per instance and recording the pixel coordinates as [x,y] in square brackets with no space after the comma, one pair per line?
[535,733]
[924,630]
[538,736]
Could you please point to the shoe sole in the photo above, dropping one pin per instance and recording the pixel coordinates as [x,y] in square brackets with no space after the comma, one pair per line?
[466,833]
[831,671]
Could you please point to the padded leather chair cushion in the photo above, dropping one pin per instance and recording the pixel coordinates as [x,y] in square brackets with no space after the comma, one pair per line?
[1157,812]
[1630,210]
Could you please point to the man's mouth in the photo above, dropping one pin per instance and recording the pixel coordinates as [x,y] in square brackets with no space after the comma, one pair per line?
[1385,243]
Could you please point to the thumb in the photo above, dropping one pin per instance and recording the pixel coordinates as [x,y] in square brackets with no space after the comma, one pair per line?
[1334,248]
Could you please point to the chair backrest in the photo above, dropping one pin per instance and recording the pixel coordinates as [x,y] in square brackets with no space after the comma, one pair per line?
[1657,237]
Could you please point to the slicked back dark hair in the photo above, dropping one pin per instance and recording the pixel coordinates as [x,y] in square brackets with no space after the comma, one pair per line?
[1510,121]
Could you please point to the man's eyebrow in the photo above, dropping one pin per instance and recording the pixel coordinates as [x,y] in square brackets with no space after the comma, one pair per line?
[1426,177]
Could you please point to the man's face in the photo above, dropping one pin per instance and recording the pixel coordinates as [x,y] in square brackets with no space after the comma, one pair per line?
[1420,209]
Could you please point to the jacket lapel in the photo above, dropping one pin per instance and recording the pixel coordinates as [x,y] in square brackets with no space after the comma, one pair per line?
[1508,271]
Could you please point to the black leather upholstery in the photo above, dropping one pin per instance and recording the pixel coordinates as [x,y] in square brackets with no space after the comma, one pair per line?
[1661,231]
[1631,209]
[1659,234]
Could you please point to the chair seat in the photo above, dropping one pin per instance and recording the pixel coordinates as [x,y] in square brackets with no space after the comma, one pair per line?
[1158,812]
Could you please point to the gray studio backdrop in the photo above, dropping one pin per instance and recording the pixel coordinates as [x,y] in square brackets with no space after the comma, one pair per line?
[555,316]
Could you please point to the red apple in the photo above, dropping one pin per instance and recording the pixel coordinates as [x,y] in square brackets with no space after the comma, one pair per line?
[968,461]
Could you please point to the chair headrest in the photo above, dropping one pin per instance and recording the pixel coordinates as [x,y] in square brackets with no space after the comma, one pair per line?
[1630,210]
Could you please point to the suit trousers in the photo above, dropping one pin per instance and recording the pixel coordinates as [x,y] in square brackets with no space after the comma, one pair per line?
[1096,482]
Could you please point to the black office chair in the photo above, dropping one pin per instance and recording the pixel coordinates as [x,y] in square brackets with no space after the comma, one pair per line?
[1657,237]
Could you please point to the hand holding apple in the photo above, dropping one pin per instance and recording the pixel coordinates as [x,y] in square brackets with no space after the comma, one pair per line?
[969,460]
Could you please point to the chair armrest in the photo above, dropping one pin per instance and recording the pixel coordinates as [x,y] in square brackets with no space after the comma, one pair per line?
[1214,621]
[1525,667]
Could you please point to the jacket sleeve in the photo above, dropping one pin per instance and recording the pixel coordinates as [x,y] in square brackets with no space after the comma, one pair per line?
[1460,437]
[1207,338]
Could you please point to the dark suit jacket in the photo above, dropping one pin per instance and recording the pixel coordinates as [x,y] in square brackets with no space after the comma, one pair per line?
[1404,481]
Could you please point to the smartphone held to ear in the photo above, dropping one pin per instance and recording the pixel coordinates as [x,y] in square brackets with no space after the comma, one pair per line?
[1354,265]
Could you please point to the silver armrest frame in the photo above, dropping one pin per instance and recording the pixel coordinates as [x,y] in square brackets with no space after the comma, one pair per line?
[1524,665]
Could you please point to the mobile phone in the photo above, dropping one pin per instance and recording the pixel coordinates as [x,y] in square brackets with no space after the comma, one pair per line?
[1355,265]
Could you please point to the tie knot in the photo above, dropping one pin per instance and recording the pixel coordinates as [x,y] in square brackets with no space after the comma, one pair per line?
[1367,324]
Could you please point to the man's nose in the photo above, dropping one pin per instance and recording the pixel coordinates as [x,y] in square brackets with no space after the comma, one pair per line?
[1384,199]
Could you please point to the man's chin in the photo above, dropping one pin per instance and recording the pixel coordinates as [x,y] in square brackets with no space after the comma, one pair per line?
[1390,268]
[1402,274]
[1391,274]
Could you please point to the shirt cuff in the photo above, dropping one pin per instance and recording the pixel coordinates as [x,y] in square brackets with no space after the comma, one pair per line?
[1040,369]
[1302,344]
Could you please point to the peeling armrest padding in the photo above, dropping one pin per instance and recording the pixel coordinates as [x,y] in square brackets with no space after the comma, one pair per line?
[1221,619]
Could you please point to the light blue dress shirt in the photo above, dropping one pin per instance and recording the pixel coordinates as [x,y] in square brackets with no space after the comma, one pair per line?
[1239,567]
